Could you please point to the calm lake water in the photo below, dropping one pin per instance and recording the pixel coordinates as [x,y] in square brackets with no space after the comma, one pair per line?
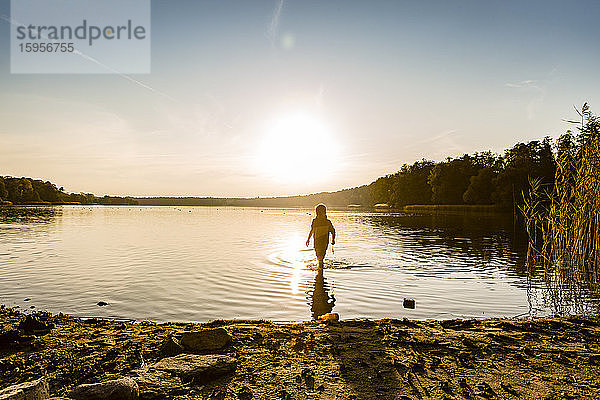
[204,263]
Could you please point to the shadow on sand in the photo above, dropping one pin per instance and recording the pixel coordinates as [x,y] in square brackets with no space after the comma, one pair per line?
[366,370]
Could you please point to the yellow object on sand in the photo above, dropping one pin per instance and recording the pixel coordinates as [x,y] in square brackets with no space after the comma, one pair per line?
[332,316]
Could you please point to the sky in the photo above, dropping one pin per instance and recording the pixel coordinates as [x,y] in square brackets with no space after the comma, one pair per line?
[263,98]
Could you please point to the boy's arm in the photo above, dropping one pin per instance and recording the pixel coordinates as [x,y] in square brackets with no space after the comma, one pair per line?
[309,235]
[332,230]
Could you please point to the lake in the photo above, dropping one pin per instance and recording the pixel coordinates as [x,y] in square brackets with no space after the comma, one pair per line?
[206,263]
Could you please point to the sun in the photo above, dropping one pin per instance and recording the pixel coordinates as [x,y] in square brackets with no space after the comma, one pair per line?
[298,147]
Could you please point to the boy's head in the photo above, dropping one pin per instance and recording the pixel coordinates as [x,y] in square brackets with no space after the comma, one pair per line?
[321,210]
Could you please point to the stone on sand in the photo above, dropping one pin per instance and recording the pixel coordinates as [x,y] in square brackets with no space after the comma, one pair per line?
[197,368]
[170,347]
[32,325]
[156,384]
[205,340]
[117,389]
[32,390]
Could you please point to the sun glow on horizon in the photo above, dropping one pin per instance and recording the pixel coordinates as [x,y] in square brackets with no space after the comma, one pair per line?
[298,147]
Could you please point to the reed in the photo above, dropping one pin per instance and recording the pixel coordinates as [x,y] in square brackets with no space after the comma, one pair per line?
[563,219]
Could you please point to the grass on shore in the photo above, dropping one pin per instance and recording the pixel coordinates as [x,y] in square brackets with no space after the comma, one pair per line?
[563,220]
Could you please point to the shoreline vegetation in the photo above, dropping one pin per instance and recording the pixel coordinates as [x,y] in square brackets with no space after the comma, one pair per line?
[562,219]
[545,358]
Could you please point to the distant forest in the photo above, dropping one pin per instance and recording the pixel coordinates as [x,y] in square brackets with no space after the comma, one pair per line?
[35,191]
[474,179]
[478,179]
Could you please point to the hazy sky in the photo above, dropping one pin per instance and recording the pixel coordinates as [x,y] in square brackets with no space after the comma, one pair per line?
[331,94]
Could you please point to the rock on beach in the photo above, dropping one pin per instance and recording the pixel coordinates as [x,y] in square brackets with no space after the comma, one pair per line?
[170,347]
[117,389]
[32,325]
[205,340]
[197,368]
[32,390]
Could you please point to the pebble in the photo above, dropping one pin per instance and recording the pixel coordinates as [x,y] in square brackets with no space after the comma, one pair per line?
[409,303]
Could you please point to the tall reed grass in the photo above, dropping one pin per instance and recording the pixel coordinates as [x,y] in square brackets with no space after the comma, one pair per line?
[563,219]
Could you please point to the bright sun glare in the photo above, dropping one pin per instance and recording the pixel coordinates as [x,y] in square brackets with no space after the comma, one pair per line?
[298,147]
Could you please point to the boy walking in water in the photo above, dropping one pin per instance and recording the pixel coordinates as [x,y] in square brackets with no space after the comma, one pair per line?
[319,230]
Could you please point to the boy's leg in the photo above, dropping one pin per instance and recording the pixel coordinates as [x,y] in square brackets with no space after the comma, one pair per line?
[320,250]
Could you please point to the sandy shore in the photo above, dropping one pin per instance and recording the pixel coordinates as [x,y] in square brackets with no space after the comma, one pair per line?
[388,359]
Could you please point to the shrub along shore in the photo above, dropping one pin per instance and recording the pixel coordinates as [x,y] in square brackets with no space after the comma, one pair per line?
[553,358]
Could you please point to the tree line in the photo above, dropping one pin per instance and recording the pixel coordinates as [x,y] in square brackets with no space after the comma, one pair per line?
[35,191]
[481,178]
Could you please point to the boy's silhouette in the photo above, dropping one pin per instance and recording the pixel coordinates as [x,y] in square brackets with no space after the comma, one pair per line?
[319,230]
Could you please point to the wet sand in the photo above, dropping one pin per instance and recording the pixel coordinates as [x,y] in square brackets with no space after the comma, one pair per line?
[557,358]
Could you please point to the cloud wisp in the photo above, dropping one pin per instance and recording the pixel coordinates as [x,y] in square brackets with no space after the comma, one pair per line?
[529,83]
[273,27]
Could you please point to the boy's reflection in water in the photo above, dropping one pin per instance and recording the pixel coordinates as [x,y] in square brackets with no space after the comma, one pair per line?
[321,302]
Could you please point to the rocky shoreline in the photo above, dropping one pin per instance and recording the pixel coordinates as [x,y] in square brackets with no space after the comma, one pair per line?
[61,356]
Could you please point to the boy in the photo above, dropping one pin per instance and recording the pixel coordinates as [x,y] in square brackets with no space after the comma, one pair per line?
[320,229]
